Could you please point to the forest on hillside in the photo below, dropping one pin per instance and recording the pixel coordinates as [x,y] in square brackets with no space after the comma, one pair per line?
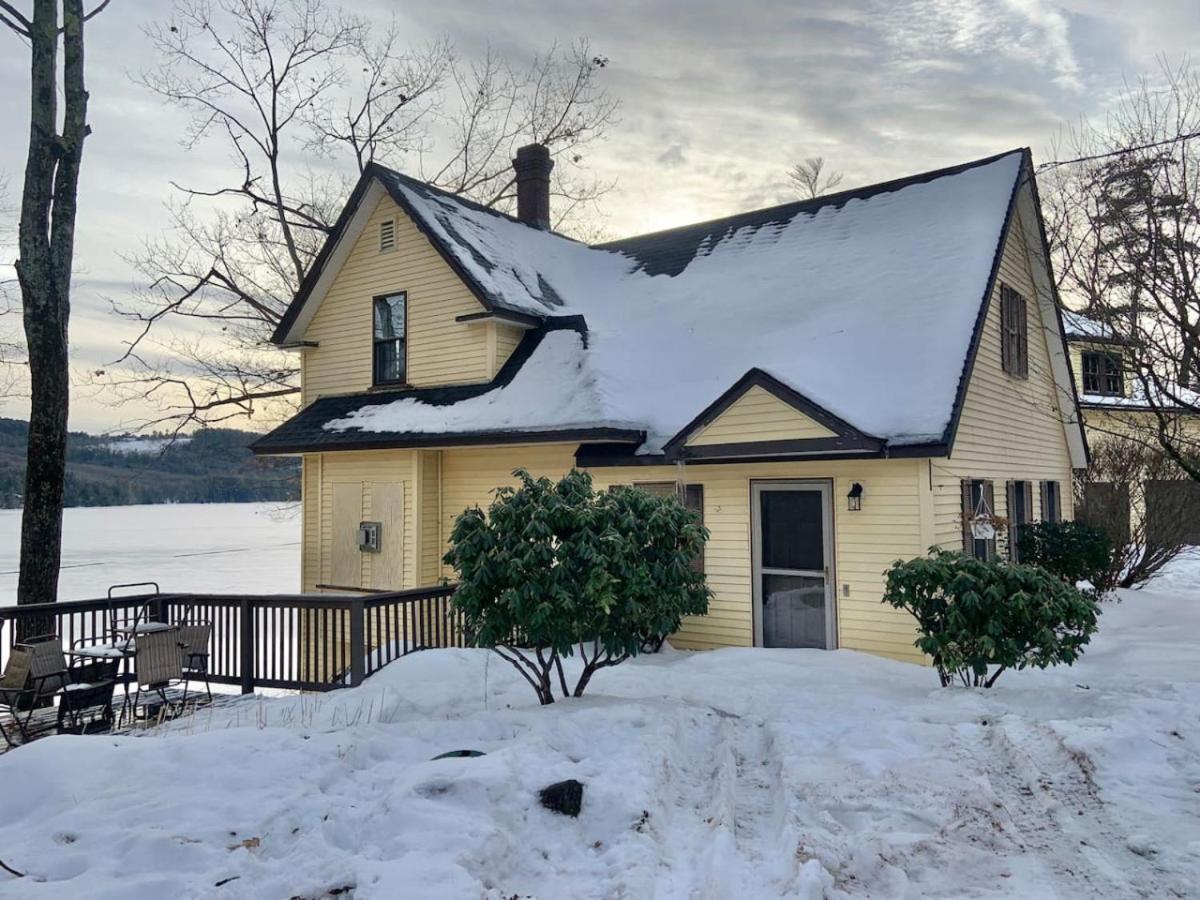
[210,466]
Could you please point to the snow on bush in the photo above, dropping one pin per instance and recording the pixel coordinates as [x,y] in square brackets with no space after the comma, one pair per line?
[552,568]
[978,618]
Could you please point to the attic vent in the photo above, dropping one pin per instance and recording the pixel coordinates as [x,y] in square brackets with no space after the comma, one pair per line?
[387,235]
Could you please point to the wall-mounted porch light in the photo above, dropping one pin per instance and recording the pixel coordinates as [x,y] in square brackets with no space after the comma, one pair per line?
[854,498]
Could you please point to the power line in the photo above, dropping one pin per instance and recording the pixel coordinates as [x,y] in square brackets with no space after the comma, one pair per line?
[1179,138]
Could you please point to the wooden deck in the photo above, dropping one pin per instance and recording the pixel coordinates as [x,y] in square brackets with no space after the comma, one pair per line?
[45,721]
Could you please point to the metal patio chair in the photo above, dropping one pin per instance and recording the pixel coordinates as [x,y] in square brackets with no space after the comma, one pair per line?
[158,666]
[14,687]
[194,638]
[35,674]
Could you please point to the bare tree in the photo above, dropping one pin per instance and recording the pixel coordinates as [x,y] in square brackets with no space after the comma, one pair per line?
[811,179]
[286,85]
[1143,501]
[46,243]
[1123,215]
[11,349]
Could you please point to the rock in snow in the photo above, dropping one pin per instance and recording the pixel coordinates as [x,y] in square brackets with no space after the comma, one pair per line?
[563,797]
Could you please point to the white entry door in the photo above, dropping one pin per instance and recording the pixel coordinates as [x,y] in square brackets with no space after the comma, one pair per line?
[792,531]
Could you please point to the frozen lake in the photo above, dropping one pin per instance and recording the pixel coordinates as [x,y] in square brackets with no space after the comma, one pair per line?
[205,547]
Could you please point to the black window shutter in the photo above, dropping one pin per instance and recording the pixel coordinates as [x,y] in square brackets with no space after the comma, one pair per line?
[1012,498]
[989,499]
[968,512]
[1023,337]
[693,499]
[1005,328]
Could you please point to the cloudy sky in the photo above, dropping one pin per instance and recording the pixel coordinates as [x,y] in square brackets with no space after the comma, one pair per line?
[717,100]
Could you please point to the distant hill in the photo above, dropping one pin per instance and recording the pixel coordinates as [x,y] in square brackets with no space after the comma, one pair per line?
[211,466]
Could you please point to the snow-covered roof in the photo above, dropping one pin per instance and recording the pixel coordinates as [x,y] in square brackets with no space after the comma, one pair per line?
[863,302]
[1169,398]
[1083,328]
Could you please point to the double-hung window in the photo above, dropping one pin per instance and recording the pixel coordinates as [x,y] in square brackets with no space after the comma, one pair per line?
[391,320]
[1103,374]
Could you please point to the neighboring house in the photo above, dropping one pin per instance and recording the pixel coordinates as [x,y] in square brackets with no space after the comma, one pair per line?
[1113,404]
[834,384]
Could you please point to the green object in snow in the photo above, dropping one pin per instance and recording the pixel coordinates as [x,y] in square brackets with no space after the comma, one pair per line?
[458,754]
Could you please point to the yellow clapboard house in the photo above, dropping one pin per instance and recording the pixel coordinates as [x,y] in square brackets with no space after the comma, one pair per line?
[1114,405]
[833,384]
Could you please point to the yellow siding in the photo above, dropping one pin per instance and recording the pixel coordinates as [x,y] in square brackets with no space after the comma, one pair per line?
[1011,428]
[469,476]
[310,514]
[430,531]
[507,338]
[759,415]
[440,350]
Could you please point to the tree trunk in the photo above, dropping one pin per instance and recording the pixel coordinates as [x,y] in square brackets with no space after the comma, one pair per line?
[47,236]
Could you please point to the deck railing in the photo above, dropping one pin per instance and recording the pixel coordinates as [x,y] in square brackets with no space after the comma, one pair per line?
[311,642]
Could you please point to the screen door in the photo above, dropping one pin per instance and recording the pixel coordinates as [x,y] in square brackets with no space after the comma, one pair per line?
[792,552]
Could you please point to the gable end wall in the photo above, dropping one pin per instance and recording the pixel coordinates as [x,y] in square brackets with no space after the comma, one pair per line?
[1010,428]
[440,350]
[758,415]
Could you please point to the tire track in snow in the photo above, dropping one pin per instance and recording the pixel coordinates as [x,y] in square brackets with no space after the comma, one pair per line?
[729,799]
[1055,807]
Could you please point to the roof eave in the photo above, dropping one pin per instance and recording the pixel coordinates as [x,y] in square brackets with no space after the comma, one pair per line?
[424,440]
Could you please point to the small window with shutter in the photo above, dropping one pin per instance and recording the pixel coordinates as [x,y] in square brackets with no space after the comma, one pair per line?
[1051,501]
[387,235]
[978,500]
[1020,513]
[1014,333]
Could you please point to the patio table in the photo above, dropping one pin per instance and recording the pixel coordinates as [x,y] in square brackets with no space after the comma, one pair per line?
[121,652]
[141,628]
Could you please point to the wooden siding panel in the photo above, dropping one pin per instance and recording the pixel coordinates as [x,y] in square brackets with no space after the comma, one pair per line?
[758,415]
[345,561]
[432,527]
[1010,428]
[440,350]
[387,508]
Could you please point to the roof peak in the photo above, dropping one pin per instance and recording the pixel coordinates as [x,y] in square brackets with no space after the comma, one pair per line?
[837,198]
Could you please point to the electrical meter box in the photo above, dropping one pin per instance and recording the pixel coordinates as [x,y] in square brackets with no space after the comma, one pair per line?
[368,536]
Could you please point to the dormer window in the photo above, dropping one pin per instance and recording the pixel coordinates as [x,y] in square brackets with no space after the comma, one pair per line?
[1014,333]
[391,321]
[387,235]
[1103,374]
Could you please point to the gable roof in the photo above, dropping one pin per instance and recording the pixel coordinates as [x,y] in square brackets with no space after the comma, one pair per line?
[865,304]
[846,436]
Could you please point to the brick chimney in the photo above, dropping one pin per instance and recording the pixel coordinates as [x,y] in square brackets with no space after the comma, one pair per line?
[533,165]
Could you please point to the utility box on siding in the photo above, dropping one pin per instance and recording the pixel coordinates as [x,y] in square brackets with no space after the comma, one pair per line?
[368,537]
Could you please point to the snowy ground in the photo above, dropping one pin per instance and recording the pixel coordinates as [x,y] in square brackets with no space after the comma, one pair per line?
[736,773]
[206,547]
